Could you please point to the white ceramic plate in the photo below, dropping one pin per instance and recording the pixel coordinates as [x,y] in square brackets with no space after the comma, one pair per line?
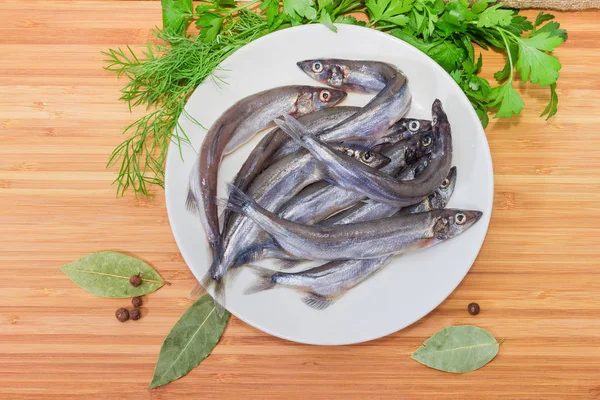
[412,285]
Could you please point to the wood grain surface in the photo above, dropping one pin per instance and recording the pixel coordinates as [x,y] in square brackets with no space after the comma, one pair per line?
[537,277]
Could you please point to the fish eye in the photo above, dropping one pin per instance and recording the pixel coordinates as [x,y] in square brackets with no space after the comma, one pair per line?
[460,218]
[426,141]
[325,95]
[317,67]
[368,156]
[414,126]
[445,184]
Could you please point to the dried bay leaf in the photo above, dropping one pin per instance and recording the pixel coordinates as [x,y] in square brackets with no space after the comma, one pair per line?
[458,349]
[190,341]
[107,273]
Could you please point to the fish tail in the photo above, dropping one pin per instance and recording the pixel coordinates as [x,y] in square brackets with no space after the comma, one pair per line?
[293,128]
[219,298]
[253,254]
[219,291]
[238,201]
[197,292]
[265,280]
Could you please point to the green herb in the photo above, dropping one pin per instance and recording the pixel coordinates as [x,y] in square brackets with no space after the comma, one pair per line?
[106,274]
[176,15]
[161,77]
[458,349]
[190,341]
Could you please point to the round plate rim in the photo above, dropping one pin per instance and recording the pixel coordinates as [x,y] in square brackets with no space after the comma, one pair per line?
[486,221]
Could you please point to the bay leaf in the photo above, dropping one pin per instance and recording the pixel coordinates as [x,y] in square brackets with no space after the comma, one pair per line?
[190,341]
[107,273]
[458,349]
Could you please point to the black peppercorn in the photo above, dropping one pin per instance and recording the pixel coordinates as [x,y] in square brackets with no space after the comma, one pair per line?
[136,301]
[135,280]
[473,308]
[122,314]
[135,314]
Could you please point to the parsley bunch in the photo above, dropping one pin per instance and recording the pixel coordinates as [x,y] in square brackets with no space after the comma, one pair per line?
[164,75]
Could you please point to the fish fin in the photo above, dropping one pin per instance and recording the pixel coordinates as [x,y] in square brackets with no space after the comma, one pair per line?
[197,292]
[264,280]
[191,204]
[232,273]
[191,201]
[317,302]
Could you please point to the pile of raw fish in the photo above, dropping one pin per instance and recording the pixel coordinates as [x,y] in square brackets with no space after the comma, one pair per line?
[350,187]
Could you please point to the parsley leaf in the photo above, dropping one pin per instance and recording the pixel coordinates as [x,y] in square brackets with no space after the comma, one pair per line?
[509,100]
[553,29]
[480,5]
[389,10]
[541,18]
[535,65]
[447,54]
[325,19]
[552,106]
[519,24]
[494,16]
[297,9]
[175,15]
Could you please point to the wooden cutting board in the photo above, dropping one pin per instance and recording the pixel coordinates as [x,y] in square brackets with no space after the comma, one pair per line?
[537,277]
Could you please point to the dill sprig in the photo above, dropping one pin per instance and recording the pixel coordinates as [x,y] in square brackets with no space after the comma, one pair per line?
[162,78]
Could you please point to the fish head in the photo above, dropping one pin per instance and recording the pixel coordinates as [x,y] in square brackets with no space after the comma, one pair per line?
[440,197]
[419,146]
[452,222]
[410,127]
[368,157]
[329,72]
[439,119]
[314,98]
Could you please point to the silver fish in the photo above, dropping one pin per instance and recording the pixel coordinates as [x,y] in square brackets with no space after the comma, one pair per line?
[236,126]
[276,185]
[360,240]
[388,106]
[320,200]
[404,129]
[371,211]
[374,119]
[380,187]
[324,284]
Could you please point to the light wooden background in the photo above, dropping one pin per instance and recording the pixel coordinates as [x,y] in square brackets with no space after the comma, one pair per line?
[537,277]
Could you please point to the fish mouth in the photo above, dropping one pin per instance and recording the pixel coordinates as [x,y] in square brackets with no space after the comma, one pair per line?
[451,174]
[337,96]
[472,217]
[306,66]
